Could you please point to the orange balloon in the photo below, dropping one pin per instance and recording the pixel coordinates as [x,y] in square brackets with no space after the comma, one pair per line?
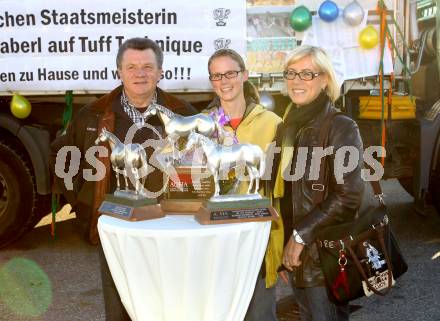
[369,37]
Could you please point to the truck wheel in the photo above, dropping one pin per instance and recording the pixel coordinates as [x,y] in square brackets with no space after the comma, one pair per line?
[19,203]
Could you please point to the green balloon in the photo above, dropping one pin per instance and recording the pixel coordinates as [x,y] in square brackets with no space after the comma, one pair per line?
[20,106]
[301,18]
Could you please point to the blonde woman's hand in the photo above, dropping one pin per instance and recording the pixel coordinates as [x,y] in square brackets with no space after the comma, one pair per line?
[291,254]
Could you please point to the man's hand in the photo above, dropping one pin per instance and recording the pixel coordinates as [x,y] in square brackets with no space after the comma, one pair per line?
[291,254]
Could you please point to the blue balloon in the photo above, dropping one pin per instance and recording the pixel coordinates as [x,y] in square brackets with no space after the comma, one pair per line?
[328,11]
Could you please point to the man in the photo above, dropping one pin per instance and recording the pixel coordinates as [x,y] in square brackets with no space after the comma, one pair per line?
[139,62]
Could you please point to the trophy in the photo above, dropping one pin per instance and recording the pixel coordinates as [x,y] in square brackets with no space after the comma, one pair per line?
[130,160]
[183,194]
[221,14]
[221,43]
[231,208]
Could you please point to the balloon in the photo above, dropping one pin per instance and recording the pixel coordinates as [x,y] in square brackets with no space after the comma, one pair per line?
[267,100]
[368,38]
[301,18]
[353,14]
[20,106]
[328,11]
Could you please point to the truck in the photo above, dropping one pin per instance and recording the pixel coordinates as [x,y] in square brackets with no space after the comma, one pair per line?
[412,142]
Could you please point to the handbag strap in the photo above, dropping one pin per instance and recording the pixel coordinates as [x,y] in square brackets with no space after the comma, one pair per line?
[318,193]
[378,194]
[379,230]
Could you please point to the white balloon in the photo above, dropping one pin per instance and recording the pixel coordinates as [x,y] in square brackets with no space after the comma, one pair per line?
[353,14]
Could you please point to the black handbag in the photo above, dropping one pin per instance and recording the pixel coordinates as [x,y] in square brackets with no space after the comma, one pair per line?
[361,257]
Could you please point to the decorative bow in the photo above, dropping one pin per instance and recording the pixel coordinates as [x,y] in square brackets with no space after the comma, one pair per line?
[220,116]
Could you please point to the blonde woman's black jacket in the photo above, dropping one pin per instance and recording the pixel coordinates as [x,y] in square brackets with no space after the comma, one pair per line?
[342,200]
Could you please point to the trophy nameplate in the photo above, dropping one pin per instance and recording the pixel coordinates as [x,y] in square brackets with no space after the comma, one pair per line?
[130,209]
[221,212]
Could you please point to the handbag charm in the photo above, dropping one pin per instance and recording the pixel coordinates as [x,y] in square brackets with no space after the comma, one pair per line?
[380,280]
[374,256]
[341,280]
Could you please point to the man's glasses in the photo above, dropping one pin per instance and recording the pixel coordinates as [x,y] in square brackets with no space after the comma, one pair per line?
[306,75]
[229,75]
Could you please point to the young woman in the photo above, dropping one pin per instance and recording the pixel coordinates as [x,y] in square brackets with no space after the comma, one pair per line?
[237,105]
[311,85]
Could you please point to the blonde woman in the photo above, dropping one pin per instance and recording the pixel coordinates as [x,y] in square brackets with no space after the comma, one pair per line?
[311,85]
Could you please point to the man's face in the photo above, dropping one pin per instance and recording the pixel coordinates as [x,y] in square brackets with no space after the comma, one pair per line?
[139,73]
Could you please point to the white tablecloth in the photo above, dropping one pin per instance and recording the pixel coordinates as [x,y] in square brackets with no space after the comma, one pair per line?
[174,269]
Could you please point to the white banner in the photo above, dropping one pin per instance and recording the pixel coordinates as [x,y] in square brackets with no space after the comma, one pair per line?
[72,45]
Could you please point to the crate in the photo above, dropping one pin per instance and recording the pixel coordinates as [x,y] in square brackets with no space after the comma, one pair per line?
[403,107]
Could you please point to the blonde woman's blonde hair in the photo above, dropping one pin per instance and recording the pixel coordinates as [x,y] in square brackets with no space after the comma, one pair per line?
[321,60]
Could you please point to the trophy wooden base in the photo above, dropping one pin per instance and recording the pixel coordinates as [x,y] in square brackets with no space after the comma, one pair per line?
[131,210]
[181,206]
[211,213]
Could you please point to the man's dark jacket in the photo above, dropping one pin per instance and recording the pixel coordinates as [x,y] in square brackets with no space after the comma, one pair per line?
[82,133]
[342,200]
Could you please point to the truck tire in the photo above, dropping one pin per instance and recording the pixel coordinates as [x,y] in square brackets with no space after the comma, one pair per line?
[20,205]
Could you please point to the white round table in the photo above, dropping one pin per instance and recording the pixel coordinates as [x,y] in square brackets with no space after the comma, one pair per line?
[174,269]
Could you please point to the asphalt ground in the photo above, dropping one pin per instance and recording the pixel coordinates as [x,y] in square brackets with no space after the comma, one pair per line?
[46,279]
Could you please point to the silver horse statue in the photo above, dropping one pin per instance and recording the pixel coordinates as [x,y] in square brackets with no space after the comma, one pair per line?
[181,126]
[221,157]
[126,158]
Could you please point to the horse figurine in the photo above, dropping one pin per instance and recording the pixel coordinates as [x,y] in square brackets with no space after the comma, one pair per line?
[181,126]
[125,158]
[221,157]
